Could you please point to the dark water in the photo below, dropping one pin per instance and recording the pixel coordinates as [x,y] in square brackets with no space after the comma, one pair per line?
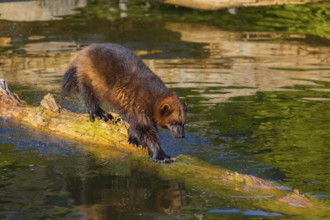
[257,84]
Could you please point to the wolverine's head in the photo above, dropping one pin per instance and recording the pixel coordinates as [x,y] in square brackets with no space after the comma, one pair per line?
[171,114]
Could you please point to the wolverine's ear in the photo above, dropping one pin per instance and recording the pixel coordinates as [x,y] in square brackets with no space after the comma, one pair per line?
[165,109]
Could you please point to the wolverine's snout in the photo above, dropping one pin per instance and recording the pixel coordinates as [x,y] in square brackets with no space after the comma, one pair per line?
[177,131]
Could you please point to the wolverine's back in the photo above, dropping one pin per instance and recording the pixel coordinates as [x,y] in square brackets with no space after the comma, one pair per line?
[116,75]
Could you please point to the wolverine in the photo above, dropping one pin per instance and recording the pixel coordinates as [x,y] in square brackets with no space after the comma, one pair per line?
[113,74]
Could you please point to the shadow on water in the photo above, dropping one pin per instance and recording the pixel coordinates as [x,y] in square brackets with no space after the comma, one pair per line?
[258,104]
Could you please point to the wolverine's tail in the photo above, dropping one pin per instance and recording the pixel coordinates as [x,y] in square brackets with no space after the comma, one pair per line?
[69,81]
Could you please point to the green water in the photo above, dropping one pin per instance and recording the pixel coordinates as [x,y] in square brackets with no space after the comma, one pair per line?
[257,84]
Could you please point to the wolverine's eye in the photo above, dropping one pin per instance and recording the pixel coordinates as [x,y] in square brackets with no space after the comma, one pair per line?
[175,123]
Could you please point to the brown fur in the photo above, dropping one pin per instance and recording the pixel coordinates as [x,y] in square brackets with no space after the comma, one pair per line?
[114,74]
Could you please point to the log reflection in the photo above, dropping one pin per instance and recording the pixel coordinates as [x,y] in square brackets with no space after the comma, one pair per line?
[42,10]
[237,64]
[106,197]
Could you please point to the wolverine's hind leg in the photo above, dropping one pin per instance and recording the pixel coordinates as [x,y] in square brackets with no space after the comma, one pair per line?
[92,104]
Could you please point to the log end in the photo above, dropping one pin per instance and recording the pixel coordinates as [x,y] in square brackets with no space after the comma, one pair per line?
[9,101]
[49,103]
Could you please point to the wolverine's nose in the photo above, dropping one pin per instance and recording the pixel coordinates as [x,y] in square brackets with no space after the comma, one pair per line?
[181,135]
[177,131]
[178,135]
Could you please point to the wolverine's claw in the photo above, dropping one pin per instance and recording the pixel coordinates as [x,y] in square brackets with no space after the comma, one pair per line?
[109,116]
[102,117]
[166,160]
[134,141]
[91,117]
[100,114]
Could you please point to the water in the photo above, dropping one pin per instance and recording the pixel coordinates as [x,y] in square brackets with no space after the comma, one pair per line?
[257,91]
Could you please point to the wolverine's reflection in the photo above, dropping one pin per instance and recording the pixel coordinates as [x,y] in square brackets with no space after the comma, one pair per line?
[117,197]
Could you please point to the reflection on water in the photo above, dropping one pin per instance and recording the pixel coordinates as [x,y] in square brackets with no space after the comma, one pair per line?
[258,104]
[48,177]
[232,62]
[118,197]
[41,10]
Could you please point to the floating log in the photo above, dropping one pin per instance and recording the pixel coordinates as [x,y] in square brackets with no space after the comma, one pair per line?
[111,136]
[220,4]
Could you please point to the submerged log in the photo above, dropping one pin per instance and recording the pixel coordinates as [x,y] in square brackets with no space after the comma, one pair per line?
[195,174]
[220,4]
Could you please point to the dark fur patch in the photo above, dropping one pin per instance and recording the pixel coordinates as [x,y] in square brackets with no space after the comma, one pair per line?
[69,81]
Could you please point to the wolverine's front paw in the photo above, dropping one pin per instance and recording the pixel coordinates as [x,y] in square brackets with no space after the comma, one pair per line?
[133,140]
[134,137]
[103,115]
[163,158]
